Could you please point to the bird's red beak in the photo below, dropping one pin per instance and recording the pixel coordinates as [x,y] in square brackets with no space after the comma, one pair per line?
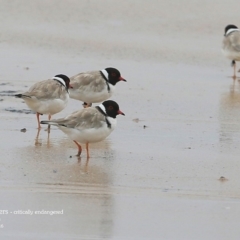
[120,112]
[70,86]
[122,79]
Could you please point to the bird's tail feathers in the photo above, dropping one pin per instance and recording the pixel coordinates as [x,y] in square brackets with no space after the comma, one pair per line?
[22,96]
[54,123]
[44,122]
[48,122]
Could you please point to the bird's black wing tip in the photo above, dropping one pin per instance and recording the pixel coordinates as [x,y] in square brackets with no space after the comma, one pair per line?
[18,95]
[44,122]
[21,96]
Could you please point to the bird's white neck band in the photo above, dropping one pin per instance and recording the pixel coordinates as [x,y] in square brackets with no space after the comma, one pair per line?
[231,30]
[102,108]
[60,80]
[105,73]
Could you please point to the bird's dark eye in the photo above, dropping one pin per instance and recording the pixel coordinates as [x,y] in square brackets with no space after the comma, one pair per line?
[113,74]
[110,108]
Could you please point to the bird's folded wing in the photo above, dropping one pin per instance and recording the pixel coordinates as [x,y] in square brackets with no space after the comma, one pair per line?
[86,118]
[46,90]
[89,80]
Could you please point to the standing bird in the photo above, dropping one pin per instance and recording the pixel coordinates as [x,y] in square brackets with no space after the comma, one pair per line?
[94,86]
[231,45]
[47,97]
[89,125]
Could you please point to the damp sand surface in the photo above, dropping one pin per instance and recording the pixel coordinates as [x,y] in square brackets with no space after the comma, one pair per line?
[170,170]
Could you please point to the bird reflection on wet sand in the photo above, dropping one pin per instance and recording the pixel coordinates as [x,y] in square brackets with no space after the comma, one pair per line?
[54,162]
[39,142]
[229,115]
[85,166]
[49,176]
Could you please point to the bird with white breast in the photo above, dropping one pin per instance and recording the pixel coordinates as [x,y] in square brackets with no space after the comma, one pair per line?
[231,45]
[47,97]
[95,86]
[89,125]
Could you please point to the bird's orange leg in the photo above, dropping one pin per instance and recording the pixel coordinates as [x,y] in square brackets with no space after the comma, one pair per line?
[88,156]
[49,118]
[39,126]
[79,149]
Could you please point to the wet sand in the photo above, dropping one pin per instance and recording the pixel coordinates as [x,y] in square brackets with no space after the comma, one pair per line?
[175,178]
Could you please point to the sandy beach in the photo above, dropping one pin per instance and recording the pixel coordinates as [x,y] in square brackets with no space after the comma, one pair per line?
[170,170]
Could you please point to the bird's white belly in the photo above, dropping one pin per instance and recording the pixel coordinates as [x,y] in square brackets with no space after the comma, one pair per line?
[88,135]
[90,96]
[230,54]
[47,107]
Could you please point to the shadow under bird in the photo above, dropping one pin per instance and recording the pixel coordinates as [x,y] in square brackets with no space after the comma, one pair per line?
[47,97]
[231,45]
[89,125]
[95,86]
